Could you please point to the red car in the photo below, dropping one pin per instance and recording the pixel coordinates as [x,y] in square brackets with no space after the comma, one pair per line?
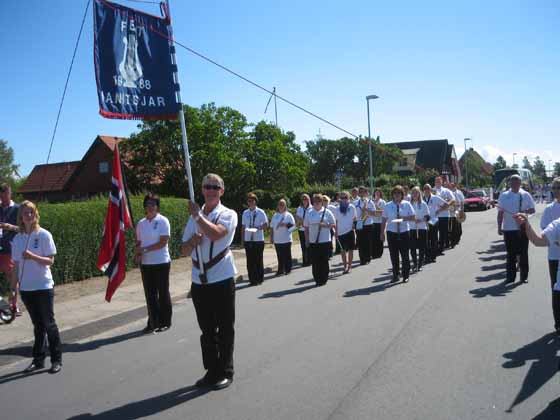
[477,200]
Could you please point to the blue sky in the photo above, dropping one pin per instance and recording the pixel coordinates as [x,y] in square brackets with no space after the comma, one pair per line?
[478,69]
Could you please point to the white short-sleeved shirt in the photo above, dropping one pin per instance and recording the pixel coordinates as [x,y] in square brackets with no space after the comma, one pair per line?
[550,214]
[254,219]
[460,197]
[301,212]
[345,222]
[421,209]
[446,195]
[367,204]
[148,232]
[225,269]
[552,233]
[390,213]
[312,223]
[31,274]
[379,205]
[453,209]
[511,203]
[434,202]
[281,234]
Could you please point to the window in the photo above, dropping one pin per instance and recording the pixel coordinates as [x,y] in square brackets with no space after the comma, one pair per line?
[104,167]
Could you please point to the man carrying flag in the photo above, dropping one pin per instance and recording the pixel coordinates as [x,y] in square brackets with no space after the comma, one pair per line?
[112,255]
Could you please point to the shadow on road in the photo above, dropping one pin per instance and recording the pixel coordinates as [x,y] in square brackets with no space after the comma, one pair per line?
[495,247]
[19,375]
[500,257]
[498,290]
[489,277]
[147,407]
[544,366]
[282,293]
[552,412]
[370,290]
[500,266]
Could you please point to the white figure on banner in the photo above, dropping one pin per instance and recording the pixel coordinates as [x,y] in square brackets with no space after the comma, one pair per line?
[130,68]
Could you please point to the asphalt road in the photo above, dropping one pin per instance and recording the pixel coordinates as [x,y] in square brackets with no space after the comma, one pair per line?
[454,343]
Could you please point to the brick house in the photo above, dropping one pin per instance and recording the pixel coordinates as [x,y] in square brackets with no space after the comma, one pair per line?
[73,180]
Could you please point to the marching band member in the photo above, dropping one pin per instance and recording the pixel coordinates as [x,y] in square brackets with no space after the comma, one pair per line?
[327,204]
[318,226]
[460,208]
[515,200]
[254,222]
[355,195]
[396,216]
[434,203]
[550,236]
[364,225]
[213,292]
[8,230]
[551,213]
[418,229]
[301,213]
[379,203]
[281,236]
[443,214]
[345,215]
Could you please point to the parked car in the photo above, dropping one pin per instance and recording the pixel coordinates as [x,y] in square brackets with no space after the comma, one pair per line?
[477,200]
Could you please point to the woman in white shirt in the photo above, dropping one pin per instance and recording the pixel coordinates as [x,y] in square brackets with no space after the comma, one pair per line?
[253,223]
[281,227]
[318,225]
[345,215]
[33,251]
[301,213]
[152,253]
[419,229]
[396,216]
[377,245]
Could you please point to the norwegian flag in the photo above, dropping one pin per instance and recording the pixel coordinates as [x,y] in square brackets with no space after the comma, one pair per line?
[112,255]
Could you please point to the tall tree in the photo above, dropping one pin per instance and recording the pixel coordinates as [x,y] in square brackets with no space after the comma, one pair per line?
[539,168]
[557,169]
[527,164]
[500,163]
[8,169]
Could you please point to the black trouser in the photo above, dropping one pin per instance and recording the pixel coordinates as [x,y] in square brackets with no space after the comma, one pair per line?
[433,246]
[443,230]
[418,246]
[399,243]
[376,242]
[553,271]
[214,304]
[319,256]
[255,265]
[364,244]
[284,255]
[517,243]
[459,232]
[155,278]
[304,253]
[40,305]
[454,233]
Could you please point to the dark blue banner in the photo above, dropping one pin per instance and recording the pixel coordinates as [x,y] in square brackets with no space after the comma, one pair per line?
[133,64]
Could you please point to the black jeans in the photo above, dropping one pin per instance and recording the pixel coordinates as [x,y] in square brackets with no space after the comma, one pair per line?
[364,244]
[40,305]
[433,246]
[284,255]
[304,253]
[443,230]
[319,256]
[418,246]
[517,243]
[553,271]
[155,278]
[376,242]
[214,304]
[255,265]
[399,243]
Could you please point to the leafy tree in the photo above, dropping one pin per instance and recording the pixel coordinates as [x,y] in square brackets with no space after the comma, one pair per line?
[527,164]
[8,169]
[477,176]
[539,168]
[557,169]
[500,163]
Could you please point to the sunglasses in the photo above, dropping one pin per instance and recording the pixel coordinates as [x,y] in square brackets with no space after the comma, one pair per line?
[212,187]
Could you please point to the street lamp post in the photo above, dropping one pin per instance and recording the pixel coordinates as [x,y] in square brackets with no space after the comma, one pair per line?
[467,164]
[513,164]
[369,143]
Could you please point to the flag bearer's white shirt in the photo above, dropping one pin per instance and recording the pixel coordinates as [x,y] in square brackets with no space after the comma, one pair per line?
[254,219]
[390,213]
[345,222]
[550,214]
[281,234]
[149,232]
[512,203]
[225,269]
[33,275]
[312,223]
[552,233]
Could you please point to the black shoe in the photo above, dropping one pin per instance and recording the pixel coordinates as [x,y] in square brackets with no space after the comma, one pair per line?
[395,279]
[525,278]
[419,269]
[405,279]
[509,281]
[34,366]
[148,330]
[55,367]
[206,381]
[162,329]
[222,383]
